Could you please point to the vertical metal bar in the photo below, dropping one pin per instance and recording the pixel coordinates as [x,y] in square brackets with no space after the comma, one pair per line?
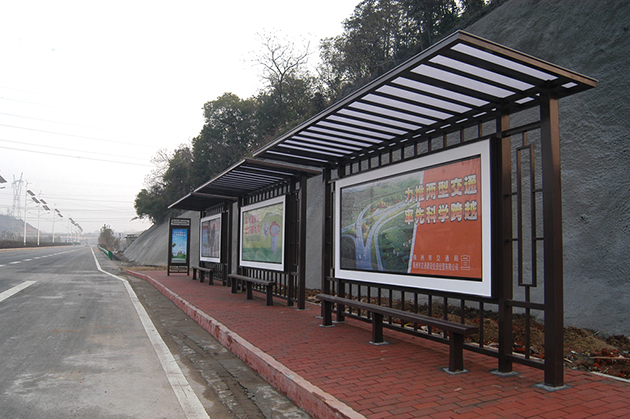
[340,307]
[445,313]
[391,302]
[528,328]
[228,244]
[415,308]
[502,234]
[327,247]
[534,238]
[552,231]
[519,217]
[302,244]
[481,325]
[430,312]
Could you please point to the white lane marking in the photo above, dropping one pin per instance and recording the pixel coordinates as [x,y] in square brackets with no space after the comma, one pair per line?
[2,266]
[187,398]
[27,260]
[12,291]
[16,262]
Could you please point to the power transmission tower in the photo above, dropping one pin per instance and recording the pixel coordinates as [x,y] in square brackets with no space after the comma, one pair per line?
[17,194]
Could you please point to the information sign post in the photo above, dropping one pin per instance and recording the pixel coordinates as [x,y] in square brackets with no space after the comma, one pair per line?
[179,245]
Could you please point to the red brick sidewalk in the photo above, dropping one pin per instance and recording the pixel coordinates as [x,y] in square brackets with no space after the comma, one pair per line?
[335,373]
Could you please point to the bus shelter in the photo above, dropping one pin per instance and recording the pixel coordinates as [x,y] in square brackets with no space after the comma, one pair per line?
[442,195]
[255,190]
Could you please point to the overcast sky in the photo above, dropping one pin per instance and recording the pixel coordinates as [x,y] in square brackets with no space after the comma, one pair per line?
[89,91]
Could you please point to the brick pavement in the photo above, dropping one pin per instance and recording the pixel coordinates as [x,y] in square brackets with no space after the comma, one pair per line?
[335,373]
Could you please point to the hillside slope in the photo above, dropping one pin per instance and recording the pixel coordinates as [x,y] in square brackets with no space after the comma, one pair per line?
[151,247]
[591,37]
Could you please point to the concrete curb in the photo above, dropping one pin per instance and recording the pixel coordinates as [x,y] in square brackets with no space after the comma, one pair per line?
[309,397]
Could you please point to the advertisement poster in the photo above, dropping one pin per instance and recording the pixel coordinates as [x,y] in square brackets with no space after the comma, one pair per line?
[179,245]
[428,225]
[210,239]
[262,235]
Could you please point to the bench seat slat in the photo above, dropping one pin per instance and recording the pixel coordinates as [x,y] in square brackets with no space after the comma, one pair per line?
[403,315]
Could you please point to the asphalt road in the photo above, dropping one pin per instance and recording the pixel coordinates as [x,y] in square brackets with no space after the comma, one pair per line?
[74,344]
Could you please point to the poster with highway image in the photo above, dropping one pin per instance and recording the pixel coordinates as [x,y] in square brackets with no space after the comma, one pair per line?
[424,223]
[262,234]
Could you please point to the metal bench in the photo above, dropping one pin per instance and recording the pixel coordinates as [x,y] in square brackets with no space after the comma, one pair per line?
[457,331]
[202,272]
[249,281]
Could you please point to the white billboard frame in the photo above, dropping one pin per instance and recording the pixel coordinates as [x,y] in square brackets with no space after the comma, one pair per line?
[482,287]
[259,264]
[201,252]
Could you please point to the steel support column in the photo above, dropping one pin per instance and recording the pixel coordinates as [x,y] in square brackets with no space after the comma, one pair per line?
[502,261]
[327,246]
[302,244]
[552,231]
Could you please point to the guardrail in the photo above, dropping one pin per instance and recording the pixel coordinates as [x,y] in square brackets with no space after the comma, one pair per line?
[109,253]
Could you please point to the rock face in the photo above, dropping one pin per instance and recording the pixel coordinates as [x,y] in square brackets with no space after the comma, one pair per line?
[591,37]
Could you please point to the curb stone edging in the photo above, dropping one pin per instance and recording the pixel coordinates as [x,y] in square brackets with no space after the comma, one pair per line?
[309,397]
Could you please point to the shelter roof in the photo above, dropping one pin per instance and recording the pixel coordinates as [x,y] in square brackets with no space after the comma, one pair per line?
[247,176]
[461,81]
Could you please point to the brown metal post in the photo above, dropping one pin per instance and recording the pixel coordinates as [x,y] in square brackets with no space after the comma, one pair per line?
[302,245]
[293,248]
[502,256]
[326,310]
[228,242]
[234,282]
[552,230]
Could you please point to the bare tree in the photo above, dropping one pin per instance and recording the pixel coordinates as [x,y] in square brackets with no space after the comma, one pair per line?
[160,160]
[281,60]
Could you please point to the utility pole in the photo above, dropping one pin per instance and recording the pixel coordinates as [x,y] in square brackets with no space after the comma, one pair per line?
[25,202]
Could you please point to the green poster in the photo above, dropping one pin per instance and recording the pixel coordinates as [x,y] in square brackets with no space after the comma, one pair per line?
[263,233]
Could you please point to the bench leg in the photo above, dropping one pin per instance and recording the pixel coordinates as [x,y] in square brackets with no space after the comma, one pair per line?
[327,314]
[194,274]
[248,287]
[377,329]
[211,278]
[234,285]
[456,352]
[269,295]
[202,275]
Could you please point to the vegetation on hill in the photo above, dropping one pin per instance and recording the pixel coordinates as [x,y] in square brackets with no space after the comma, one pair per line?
[379,35]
